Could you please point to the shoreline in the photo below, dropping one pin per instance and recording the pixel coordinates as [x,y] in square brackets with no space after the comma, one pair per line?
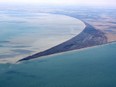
[88,32]
[15,60]
[67,52]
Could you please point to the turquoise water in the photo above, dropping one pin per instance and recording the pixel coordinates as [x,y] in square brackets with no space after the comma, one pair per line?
[93,67]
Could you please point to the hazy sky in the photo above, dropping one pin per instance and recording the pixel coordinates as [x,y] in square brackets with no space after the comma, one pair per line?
[80,2]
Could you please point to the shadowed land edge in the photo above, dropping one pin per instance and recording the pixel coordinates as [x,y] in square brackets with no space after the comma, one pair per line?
[87,38]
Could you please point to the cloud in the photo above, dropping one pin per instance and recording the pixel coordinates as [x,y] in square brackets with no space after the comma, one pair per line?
[83,2]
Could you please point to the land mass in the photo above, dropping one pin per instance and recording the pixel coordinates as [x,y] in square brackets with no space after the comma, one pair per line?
[87,38]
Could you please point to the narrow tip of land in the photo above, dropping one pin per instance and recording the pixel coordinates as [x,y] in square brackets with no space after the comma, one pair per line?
[87,38]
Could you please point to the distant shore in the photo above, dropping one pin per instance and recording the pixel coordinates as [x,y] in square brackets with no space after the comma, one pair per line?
[87,38]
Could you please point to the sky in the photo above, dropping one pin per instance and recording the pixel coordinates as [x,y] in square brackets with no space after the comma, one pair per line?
[78,2]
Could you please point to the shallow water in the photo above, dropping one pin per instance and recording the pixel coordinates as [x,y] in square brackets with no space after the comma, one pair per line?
[92,67]
[34,32]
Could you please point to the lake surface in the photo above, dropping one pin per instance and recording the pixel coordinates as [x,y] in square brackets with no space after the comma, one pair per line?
[92,67]
[25,33]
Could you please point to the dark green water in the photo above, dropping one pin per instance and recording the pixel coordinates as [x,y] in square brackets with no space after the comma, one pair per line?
[94,67]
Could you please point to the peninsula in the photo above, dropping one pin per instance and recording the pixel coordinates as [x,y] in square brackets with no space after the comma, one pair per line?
[87,38]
